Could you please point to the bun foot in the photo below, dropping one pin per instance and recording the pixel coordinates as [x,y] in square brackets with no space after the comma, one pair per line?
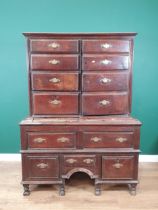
[26,190]
[97,189]
[132,189]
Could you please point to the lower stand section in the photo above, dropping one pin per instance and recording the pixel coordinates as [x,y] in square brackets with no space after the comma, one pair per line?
[26,190]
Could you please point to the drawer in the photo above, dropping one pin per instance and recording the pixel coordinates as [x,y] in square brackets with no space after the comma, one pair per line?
[41,167]
[105,45]
[108,139]
[54,62]
[51,140]
[102,104]
[105,62]
[118,167]
[105,81]
[54,45]
[55,81]
[55,103]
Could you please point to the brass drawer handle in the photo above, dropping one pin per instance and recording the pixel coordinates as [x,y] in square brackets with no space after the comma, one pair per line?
[104,102]
[96,139]
[55,102]
[106,45]
[63,139]
[106,62]
[54,80]
[105,80]
[117,165]
[54,62]
[42,165]
[121,139]
[39,140]
[71,161]
[88,160]
[54,45]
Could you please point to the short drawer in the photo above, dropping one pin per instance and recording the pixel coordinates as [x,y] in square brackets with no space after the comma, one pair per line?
[108,139]
[54,45]
[41,167]
[105,81]
[105,62]
[118,167]
[108,103]
[105,45]
[51,140]
[54,62]
[55,81]
[55,103]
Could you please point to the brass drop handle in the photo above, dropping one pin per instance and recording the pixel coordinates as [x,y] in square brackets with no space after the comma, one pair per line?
[55,102]
[42,165]
[71,160]
[54,45]
[105,80]
[106,45]
[39,140]
[117,165]
[121,139]
[63,139]
[88,161]
[104,102]
[54,80]
[96,139]
[54,62]
[106,62]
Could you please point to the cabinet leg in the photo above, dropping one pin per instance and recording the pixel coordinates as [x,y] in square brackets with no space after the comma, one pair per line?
[132,188]
[26,190]
[62,189]
[97,189]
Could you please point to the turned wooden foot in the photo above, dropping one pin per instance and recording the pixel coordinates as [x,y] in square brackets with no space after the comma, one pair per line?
[97,189]
[132,188]
[62,189]
[26,190]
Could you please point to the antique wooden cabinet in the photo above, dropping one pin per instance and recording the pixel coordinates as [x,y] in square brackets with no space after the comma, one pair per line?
[80,104]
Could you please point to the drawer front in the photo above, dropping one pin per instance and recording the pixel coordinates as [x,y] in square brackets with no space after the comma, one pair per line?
[105,81]
[54,62]
[105,62]
[48,103]
[40,167]
[105,45]
[55,81]
[54,45]
[118,167]
[110,103]
[51,140]
[108,140]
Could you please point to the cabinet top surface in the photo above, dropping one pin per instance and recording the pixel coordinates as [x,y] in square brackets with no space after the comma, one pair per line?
[108,120]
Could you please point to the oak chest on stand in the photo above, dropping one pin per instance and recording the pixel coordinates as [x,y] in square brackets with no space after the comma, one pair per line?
[80,104]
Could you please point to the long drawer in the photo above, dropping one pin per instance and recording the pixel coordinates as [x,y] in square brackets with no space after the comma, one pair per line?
[108,139]
[54,62]
[102,81]
[55,81]
[106,103]
[51,140]
[55,103]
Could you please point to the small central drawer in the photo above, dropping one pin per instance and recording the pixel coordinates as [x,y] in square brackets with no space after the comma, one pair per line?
[55,81]
[54,62]
[105,45]
[105,62]
[105,81]
[55,103]
[51,140]
[54,45]
[108,103]
[108,139]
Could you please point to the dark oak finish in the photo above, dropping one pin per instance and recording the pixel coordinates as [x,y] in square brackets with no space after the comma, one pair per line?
[80,104]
